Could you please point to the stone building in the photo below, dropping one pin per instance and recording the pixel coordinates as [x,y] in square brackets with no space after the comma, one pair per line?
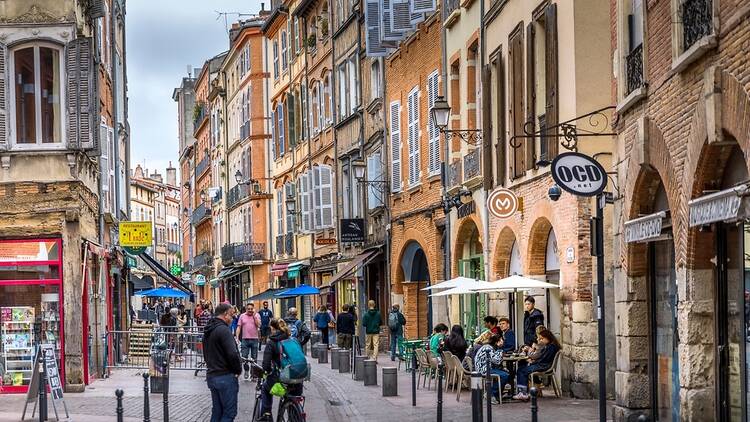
[63,109]
[681,285]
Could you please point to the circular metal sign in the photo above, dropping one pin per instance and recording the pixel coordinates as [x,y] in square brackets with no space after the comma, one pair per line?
[502,203]
[579,174]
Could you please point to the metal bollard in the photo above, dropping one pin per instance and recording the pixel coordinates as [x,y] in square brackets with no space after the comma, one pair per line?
[476,397]
[440,370]
[359,368]
[314,350]
[118,411]
[534,408]
[370,373]
[335,358]
[413,379]
[314,339]
[323,355]
[488,387]
[390,382]
[146,406]
[42,389]
[345,363]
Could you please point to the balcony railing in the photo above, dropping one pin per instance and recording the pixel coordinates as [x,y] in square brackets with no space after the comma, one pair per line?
[245,131]
[173,247]
[696,21]
[200,214]
[202,114]
[454,173]
[280,244]
[202,166]
[449,7]
[472,166]
[242,252]
[237,194]
[204,259]
[634,69]
[289,243]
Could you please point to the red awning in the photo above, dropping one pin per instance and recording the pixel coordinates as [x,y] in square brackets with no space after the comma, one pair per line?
[278,269]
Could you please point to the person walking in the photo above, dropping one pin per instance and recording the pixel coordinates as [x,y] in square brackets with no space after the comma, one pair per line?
[322,319]
[248,335]
[331,325]
[266,315]
[345,327]
[223,365]
[297,328]
[272,365]
[372,320]
[532,318]
[396,322]
[205,315]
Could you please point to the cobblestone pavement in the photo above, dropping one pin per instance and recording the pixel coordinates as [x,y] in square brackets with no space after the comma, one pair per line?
[330,396]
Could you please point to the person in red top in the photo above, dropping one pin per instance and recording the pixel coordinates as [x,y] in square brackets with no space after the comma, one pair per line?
[248,334]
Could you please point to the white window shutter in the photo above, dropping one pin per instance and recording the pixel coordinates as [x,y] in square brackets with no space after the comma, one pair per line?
[273,135]
[4,73]
[280,211]
[433,134]
[316,197]
[413,134]
[326,196]
[280,117]
[395,123]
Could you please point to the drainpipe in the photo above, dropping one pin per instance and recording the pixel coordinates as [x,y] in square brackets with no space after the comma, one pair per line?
[486,136]
[269,157]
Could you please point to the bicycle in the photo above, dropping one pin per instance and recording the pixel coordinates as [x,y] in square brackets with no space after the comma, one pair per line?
[291,408]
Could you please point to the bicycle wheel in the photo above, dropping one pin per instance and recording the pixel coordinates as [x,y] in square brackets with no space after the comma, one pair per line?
[290,412]
[256,409]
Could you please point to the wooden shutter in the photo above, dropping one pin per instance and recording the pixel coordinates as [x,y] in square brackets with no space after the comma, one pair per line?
[516,102]
[486,128]
[289,194]
[304,194]
[395,122]
[281,128]
[316,198]
[433,134]
[303,111]
[326,196]
[500,145]
[414,147]
[292,129]
[273,135]
[373,45]
[530,123]
[280,211]
[552,108]
[81,93]
[4,73]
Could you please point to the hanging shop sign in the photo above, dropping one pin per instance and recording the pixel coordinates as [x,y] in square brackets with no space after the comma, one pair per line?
[579,174]
[352,230]
[200,280]
[325,241]
[175,270]
[502,203]
[135,233]
[720,206]
[465,210]
[644,228]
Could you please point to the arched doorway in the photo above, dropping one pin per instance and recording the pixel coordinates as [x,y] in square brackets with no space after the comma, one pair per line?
[469,262]
[544,264]
[415,274]
[506,262]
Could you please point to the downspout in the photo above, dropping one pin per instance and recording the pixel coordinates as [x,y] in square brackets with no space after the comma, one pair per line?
[487,149]
[386,186]
[269,157]
[125,116]
[225,144]
[304,129]
[362,190]
[116,152]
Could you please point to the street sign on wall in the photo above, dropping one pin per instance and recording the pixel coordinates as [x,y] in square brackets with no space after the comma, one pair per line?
[135,233]
[352,230]
[502,203]
[579,174]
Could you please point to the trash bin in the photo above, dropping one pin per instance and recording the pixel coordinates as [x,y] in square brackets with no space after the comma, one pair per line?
[158,365]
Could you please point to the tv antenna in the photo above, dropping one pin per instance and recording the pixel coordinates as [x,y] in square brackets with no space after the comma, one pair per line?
[226,14]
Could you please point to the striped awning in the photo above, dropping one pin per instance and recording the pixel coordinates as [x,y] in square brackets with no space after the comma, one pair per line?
[279,269]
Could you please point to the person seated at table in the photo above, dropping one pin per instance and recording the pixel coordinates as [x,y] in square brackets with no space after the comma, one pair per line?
[509,337]
[535,344]
[490,325]
[540,359]
[456,343]
[494,350]
[437,337]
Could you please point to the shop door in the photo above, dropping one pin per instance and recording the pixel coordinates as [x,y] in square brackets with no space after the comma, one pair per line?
[665,375]
[731,320]
[470,305]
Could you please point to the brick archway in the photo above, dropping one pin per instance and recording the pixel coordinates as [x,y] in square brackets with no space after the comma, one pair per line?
[468,227]
[414,298]
[537,248]
[503,248]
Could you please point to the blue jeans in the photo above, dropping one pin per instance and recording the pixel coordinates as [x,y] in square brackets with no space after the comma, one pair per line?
[224,389]
[394,345]
[250,345]
[504,376]
[525,371]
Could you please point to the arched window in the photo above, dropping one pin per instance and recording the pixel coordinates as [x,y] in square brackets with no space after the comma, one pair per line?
[315,109]
[327,97]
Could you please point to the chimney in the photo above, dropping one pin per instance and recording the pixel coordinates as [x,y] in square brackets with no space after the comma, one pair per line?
[138,172]
[263,12]
[156,176]
[171,175]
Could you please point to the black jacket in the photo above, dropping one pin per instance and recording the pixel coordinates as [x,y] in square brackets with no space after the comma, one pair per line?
[219,350]
[530,322]
[345,323]
[271,355]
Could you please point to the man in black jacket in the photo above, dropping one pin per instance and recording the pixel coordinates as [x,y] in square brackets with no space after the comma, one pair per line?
[345,328]
[532,318]
[223,364]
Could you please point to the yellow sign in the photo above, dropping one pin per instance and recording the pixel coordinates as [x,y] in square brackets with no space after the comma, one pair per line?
[135,233]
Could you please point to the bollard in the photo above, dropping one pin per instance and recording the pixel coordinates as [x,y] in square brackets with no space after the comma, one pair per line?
[370,372]
[165,393]
[146,406]
[359,368]
[119,412]
[314,350]
[488,387]
[345,364]
[323,355]
[42,389]
[440,370]
[335,358]
[413,379]
[314,339]
[534,408]
[390,382]
[476,397]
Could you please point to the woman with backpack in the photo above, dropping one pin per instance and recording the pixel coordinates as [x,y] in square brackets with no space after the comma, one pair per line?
[322,319]
[396,322]
[272,366]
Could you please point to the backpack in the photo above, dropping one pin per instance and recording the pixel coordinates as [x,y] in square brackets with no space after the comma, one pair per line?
[299,331]
[294,368]
[393,321]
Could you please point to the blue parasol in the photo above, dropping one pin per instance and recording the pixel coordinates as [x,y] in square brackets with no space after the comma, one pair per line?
[301,290]
[163,292]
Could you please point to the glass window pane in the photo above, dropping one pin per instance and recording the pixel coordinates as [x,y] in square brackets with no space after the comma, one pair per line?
[35,250]
[49,71]
[30,272]
[25,93]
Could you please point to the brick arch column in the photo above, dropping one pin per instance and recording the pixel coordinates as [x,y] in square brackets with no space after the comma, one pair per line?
[537,248]
[462,235]
[501,255]
[415,299]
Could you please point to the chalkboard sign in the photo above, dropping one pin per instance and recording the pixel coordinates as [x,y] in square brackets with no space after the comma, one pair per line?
[46,352]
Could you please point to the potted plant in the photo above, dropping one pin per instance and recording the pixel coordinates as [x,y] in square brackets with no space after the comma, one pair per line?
[324,27]
[311,41]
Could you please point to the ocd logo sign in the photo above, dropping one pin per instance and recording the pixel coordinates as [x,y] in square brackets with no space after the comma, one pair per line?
[579,174]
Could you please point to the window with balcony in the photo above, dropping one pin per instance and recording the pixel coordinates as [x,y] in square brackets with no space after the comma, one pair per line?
[37,72]
[633,46]
[541,85]
[693,30]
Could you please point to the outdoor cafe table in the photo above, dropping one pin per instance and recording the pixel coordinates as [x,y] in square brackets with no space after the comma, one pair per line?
[513,361]
[409,347]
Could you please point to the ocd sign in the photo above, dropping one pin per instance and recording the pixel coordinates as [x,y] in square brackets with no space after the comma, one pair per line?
[579,174]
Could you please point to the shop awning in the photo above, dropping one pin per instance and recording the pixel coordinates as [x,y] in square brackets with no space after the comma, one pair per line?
[362,259]
[232,271]
[292,271]
[725,205]
[644,228]
[278,269]
[301,290]
[267,295]
[142,283]
[166,275]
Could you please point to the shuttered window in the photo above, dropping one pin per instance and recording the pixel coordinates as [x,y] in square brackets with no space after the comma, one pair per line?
[275,59]
[273,135]
[280,211]
[303,111]
[305,201]
[552,107]
[290,217]
[433,134]
[284,51]
[318,215]
[395,127]
[290,106]
[326,196]
[374,173]
[82,98]
[280,128]
[413,128]
[516,102]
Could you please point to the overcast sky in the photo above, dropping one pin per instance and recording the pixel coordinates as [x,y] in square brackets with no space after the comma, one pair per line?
[163,38]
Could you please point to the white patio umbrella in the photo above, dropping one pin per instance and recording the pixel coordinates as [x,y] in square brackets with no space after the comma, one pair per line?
[514,282]
[454,291]
[453,283]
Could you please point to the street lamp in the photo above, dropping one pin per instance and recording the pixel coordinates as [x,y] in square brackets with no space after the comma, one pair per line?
[359,168]
[240,179]
[291,205]
[440,112]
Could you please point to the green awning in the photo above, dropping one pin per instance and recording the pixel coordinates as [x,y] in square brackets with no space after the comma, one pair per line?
[292,271]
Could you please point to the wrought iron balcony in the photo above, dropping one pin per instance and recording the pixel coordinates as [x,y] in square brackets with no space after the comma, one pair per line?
[242,252]
[289,243]
[696,21]
[454,173]
[200,116]
[449,6]
[201,214]
[237,194]
[173,247]
[204,259]
[634,69]
[472,164]
[202,166]
[280,244]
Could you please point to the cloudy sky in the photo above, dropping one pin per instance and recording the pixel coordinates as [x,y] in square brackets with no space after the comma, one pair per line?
[163,38]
